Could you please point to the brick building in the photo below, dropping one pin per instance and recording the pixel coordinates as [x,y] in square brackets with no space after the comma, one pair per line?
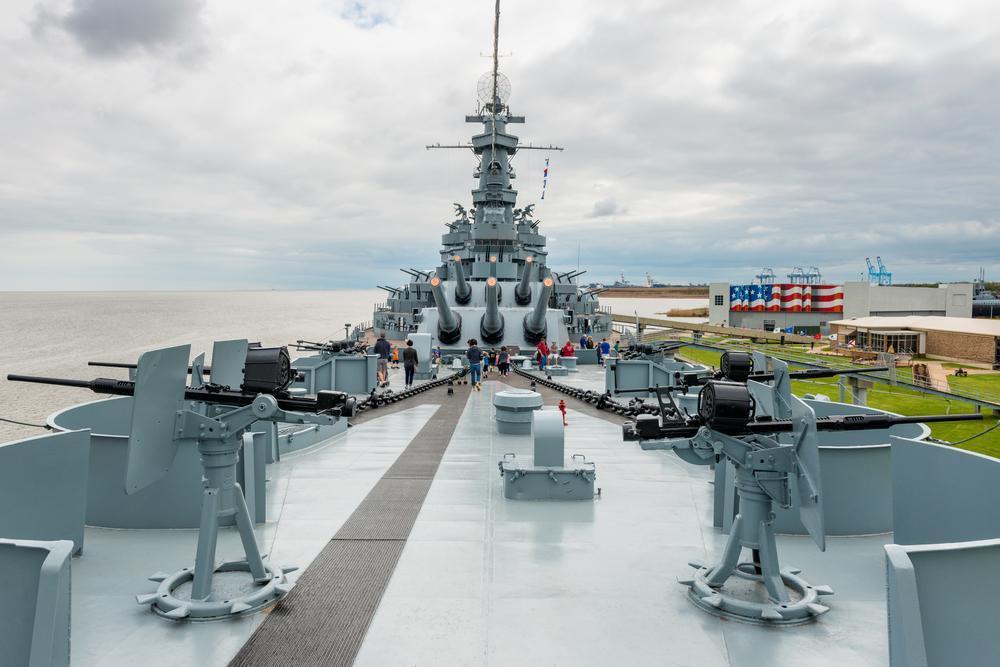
[959,338]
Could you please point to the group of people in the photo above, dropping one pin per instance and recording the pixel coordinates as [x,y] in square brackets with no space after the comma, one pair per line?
[386,353]
[480,362]
[548,353]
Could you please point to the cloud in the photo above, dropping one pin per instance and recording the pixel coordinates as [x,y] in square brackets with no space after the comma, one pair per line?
[108,28]
[736,134]
[362,15]
[606,207]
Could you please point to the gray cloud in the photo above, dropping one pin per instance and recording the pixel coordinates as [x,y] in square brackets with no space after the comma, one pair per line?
[605,208]
[106,28]
[737,134]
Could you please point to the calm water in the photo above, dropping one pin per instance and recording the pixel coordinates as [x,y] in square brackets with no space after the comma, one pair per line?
[56,334]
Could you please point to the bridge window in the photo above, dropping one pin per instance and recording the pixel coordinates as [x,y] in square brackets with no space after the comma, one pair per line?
[718,299]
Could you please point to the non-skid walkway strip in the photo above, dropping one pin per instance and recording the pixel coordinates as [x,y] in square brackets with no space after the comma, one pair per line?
[324,619]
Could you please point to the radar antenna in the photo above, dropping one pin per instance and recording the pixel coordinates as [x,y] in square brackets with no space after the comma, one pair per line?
[496,57]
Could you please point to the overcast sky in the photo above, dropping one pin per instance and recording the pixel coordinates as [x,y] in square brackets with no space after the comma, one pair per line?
[183,144]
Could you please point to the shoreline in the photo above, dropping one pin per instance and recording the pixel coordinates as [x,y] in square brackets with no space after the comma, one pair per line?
[678,292]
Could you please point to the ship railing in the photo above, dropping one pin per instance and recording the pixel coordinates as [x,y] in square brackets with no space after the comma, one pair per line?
[896,375]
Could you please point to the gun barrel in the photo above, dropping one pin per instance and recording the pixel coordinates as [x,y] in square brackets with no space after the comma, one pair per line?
[818,373]
[491,325]
[522,294]
[463,292]
[325,401]
[119,364]
[60,382]
[535,327]
[111,364]
[449,322]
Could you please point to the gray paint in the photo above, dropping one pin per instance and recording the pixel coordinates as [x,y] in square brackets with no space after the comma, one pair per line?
[943,494]
[35,602]
[351,373]
[172,502]
[228,360]
[855,472]
[942,603]
[160,379]
[43,487]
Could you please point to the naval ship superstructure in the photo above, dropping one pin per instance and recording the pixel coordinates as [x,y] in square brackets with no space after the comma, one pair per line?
[493,283]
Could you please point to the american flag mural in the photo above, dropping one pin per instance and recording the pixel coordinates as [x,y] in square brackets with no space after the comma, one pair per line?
[774,299]
[828,298]
[787,297]
[791,298]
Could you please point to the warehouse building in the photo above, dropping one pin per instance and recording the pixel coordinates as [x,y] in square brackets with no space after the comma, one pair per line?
[957,338]
[810,308]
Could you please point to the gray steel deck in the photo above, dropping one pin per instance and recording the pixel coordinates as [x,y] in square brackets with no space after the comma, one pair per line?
[325,617]
[483,580]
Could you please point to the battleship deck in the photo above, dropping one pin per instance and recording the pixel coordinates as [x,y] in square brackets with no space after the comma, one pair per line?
[477,579]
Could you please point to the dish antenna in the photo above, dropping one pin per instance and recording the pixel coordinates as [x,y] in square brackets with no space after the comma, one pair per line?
[485,88]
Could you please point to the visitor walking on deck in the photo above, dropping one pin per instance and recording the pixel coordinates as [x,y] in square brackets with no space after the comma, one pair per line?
[395,357]
[409,363]
[382,349]
[475,357]
[503,361]
[542,353]
[486,364]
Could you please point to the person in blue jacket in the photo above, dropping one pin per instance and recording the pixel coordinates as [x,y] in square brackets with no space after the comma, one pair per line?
[475,357]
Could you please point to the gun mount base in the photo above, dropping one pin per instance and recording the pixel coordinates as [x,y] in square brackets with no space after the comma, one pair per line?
[237,593]
[756,592]
[744,597]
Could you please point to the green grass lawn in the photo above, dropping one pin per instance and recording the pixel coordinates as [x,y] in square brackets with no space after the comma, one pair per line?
[901,401]
[987,384]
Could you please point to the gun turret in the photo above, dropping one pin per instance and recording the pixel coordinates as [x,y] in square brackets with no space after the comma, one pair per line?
[463,292]
[535,327]
[738,367]
[325,402]
[522,293]
[491,325]
[727,407]
[449,322]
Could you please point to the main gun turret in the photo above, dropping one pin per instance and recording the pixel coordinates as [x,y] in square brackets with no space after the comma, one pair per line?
[491,325]
[449,322]
[535,327]
[463,292]
[522,294]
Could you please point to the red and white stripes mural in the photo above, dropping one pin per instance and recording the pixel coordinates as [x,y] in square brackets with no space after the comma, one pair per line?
[787,297]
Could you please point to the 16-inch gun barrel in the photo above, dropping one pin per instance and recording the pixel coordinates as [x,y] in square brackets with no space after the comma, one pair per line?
[463,292]
[522,294]
[535,327]
[449,322]
[491,325]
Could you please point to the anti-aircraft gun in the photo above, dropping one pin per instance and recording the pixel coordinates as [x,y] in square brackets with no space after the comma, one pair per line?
[770,438]
[332,347]
[166,413]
